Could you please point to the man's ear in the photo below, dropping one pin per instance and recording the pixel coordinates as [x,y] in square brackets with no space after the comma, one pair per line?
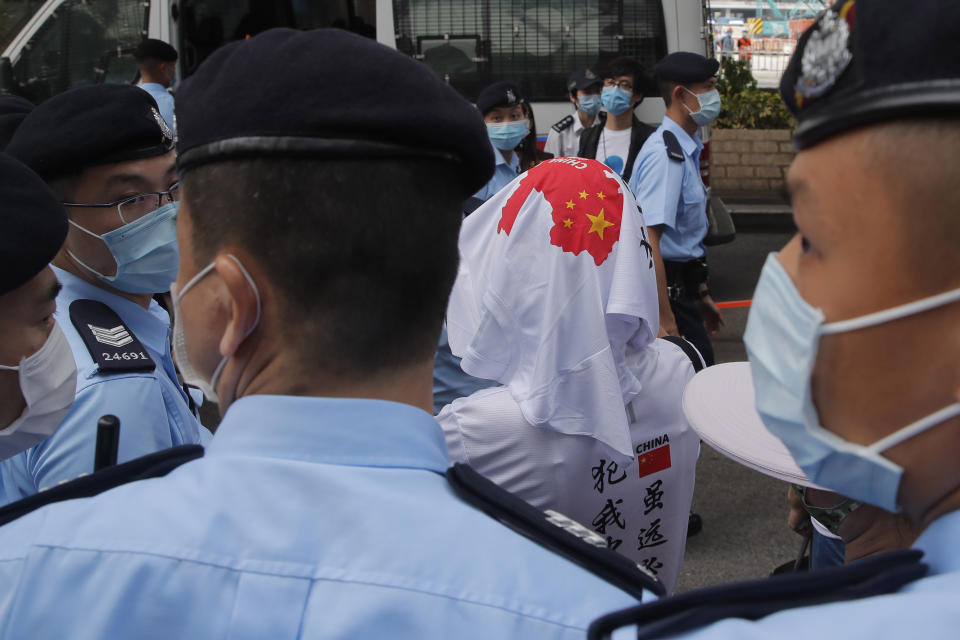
[244,311]
[573,98]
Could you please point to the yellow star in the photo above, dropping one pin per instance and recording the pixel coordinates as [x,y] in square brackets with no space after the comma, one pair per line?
[570,204]
[601,195]
[599,223]
[583,195]
[568,223]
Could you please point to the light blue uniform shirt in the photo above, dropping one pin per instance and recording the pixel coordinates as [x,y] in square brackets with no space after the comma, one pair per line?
[164,100]
[927,608]
[307,518]
[671,193]
[151,405]
[503,174]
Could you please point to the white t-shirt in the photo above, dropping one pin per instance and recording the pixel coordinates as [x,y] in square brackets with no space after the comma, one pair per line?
[640,504]
[614,148]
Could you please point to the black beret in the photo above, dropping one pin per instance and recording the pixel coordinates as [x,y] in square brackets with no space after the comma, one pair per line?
[685,66]
[90,126]
[862,62]
[325,93]
[583,79]
[153,49]
[498,94]
[33,224]
[13,109]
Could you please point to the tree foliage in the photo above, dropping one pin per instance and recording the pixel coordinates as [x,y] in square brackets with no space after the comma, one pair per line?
[746,106]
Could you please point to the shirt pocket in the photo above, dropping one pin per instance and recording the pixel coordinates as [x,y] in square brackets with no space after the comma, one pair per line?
[693,191]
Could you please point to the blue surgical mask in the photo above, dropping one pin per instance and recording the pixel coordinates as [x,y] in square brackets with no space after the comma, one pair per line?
[615,100]
[590,105]
[710,104]
[145,251]
[507,135]
[782,339]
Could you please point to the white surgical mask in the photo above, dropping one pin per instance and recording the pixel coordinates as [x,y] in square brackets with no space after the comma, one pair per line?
[48,382]
[187,370]
[782,338]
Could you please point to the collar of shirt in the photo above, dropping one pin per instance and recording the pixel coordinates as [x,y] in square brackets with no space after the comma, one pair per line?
[939,543]
[514,159]
[340,431]
[690,145]
[151,325]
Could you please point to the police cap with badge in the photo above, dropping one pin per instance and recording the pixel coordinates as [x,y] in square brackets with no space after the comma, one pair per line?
[859,64]
[686,66]
[498,94]
[583,79]
[90,126]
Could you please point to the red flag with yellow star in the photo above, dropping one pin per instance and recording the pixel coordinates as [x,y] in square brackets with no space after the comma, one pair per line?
[586,202]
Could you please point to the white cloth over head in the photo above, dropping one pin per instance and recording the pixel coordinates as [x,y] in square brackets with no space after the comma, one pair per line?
[556,285]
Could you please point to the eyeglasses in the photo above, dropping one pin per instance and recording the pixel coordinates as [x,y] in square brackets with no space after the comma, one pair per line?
[135,207]
[626,85]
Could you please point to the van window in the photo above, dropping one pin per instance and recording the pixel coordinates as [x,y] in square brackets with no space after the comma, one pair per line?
[533,43]
[81,43]
[205,25]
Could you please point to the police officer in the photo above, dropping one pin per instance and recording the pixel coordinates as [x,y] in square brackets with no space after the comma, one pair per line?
[563,139]
[311,304]
[108,154]
[666,180]
[157,62]
[37,372]
[852,336]
[500,105]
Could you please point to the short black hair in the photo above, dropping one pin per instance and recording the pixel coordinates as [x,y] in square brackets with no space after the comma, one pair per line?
[628,66]
[361,253]
[666,90]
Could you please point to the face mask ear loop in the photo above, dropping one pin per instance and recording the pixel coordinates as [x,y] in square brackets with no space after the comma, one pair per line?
[4,367]
[256,292]
[695,96]
[916,428]
[889,315]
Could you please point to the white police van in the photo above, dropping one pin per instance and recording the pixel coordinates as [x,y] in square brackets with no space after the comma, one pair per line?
[53,45]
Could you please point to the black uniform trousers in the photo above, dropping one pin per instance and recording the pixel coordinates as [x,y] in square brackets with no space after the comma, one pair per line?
[690,324]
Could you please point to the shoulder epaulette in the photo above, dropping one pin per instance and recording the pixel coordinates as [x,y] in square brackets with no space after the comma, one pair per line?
[565,123]
[154,465]
[756,599]
[110,342]
[554,531]
[674,150]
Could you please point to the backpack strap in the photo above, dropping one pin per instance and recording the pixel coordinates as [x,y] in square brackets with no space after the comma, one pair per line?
[695,359]
[553,530]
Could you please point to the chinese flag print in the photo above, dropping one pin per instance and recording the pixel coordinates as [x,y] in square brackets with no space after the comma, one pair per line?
[586,205]
[654,460]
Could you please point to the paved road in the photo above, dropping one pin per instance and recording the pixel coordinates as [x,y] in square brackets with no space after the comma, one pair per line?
[744,512]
